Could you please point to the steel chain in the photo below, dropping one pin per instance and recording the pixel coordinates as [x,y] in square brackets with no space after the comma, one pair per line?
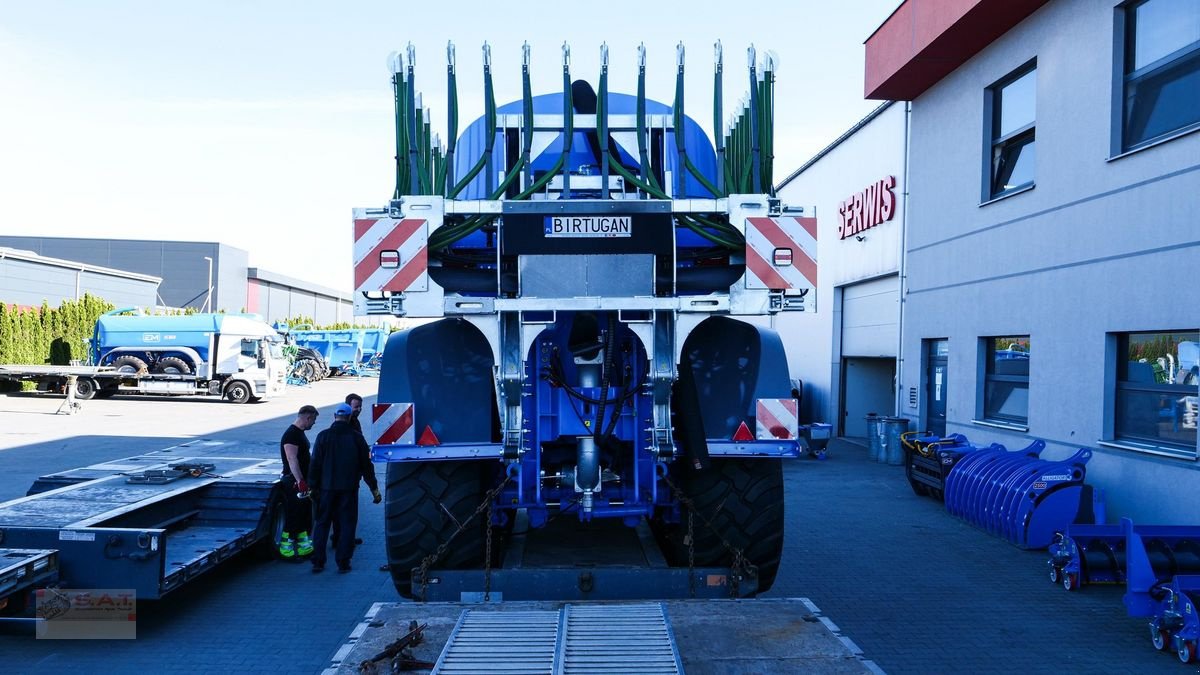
[429,560]
[738,565]
[487,555]
[691,544]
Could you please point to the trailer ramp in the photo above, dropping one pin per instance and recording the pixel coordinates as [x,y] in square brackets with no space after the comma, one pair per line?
[702,637]
[634,638]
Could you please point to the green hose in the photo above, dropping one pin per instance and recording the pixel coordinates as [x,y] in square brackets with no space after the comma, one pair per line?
[647,175]
[718,131]
[451,121]
[489,116]
[397,84]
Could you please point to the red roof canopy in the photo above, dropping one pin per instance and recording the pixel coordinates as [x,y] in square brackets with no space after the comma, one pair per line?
[925,40]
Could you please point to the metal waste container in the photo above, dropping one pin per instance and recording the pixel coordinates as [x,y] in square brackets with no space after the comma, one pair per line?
[874,438]
[893,449]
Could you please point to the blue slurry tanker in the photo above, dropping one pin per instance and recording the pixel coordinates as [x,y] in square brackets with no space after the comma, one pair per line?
[598,276]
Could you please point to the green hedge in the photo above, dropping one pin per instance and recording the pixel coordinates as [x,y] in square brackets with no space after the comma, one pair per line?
[42,335]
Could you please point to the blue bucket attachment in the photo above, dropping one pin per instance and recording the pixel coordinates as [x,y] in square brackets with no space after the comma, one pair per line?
[1017,495]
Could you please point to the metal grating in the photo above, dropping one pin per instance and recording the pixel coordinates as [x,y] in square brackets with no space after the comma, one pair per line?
[482,642]
[580,639]
[617,639]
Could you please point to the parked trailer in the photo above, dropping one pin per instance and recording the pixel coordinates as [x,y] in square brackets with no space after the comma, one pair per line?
[154,522]
[235,356]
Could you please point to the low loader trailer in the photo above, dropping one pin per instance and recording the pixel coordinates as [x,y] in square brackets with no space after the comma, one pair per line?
[149,523]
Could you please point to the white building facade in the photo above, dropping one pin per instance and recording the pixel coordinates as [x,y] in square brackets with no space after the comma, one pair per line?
[1052,255]
[846,351]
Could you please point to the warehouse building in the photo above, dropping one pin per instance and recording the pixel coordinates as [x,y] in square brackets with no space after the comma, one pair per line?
[206,276]
[845,351]
[28,279]
[1048,271]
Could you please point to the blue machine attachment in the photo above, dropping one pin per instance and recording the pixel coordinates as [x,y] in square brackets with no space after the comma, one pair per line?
[1019,496]
[1163,584]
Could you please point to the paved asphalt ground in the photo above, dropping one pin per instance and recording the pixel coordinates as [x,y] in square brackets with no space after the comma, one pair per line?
[917,590]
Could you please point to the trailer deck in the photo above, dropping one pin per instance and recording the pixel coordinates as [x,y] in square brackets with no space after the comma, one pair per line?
[151,522]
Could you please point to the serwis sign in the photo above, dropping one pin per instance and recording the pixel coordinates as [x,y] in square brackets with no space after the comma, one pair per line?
[864,210]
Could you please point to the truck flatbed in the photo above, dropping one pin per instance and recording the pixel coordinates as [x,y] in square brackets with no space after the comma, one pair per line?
[785,635]
[17,372]
[150,522]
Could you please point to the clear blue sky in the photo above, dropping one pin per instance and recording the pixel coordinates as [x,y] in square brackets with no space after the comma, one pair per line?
[261,124]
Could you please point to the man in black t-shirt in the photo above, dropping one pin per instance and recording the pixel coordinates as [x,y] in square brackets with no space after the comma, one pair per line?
[294,451]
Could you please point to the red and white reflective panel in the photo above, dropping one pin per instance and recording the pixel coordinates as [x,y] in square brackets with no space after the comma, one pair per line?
[390,255]
[776,419]
[392,423]
[781,253]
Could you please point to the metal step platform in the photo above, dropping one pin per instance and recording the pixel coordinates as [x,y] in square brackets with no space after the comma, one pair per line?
[23,569]
[602,638]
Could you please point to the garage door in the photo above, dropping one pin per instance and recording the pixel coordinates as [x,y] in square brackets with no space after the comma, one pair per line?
[869,318]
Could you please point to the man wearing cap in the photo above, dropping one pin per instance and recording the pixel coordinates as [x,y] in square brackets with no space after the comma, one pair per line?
[340,459]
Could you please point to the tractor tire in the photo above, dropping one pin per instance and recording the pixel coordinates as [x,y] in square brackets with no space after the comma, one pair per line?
[418,496]
[172,365]
[238,392]
[86,388]
[129,365]
[743,498]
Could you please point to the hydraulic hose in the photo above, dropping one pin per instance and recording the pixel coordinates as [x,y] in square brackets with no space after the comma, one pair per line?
[718,131]
[411,109]
[489,117]
[602,120]
[685,163]
[755,174]
[398,97]
[451,119]
[648,177]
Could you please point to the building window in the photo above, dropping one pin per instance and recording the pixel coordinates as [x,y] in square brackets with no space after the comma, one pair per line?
[1011,105]
[1161,70]
[1006,380]
[1158,386]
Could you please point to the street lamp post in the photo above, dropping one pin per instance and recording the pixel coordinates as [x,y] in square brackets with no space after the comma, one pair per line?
[208,296]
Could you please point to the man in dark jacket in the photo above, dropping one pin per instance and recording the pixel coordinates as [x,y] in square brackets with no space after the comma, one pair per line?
[340,459]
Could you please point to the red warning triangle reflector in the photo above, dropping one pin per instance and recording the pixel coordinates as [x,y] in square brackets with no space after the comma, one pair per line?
[428,437]
[743,433]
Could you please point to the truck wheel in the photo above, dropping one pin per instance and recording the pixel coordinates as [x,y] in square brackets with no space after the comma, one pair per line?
[172,365]
[129,365]
[85,389]
[743,498]
[422,504]
[238,392]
